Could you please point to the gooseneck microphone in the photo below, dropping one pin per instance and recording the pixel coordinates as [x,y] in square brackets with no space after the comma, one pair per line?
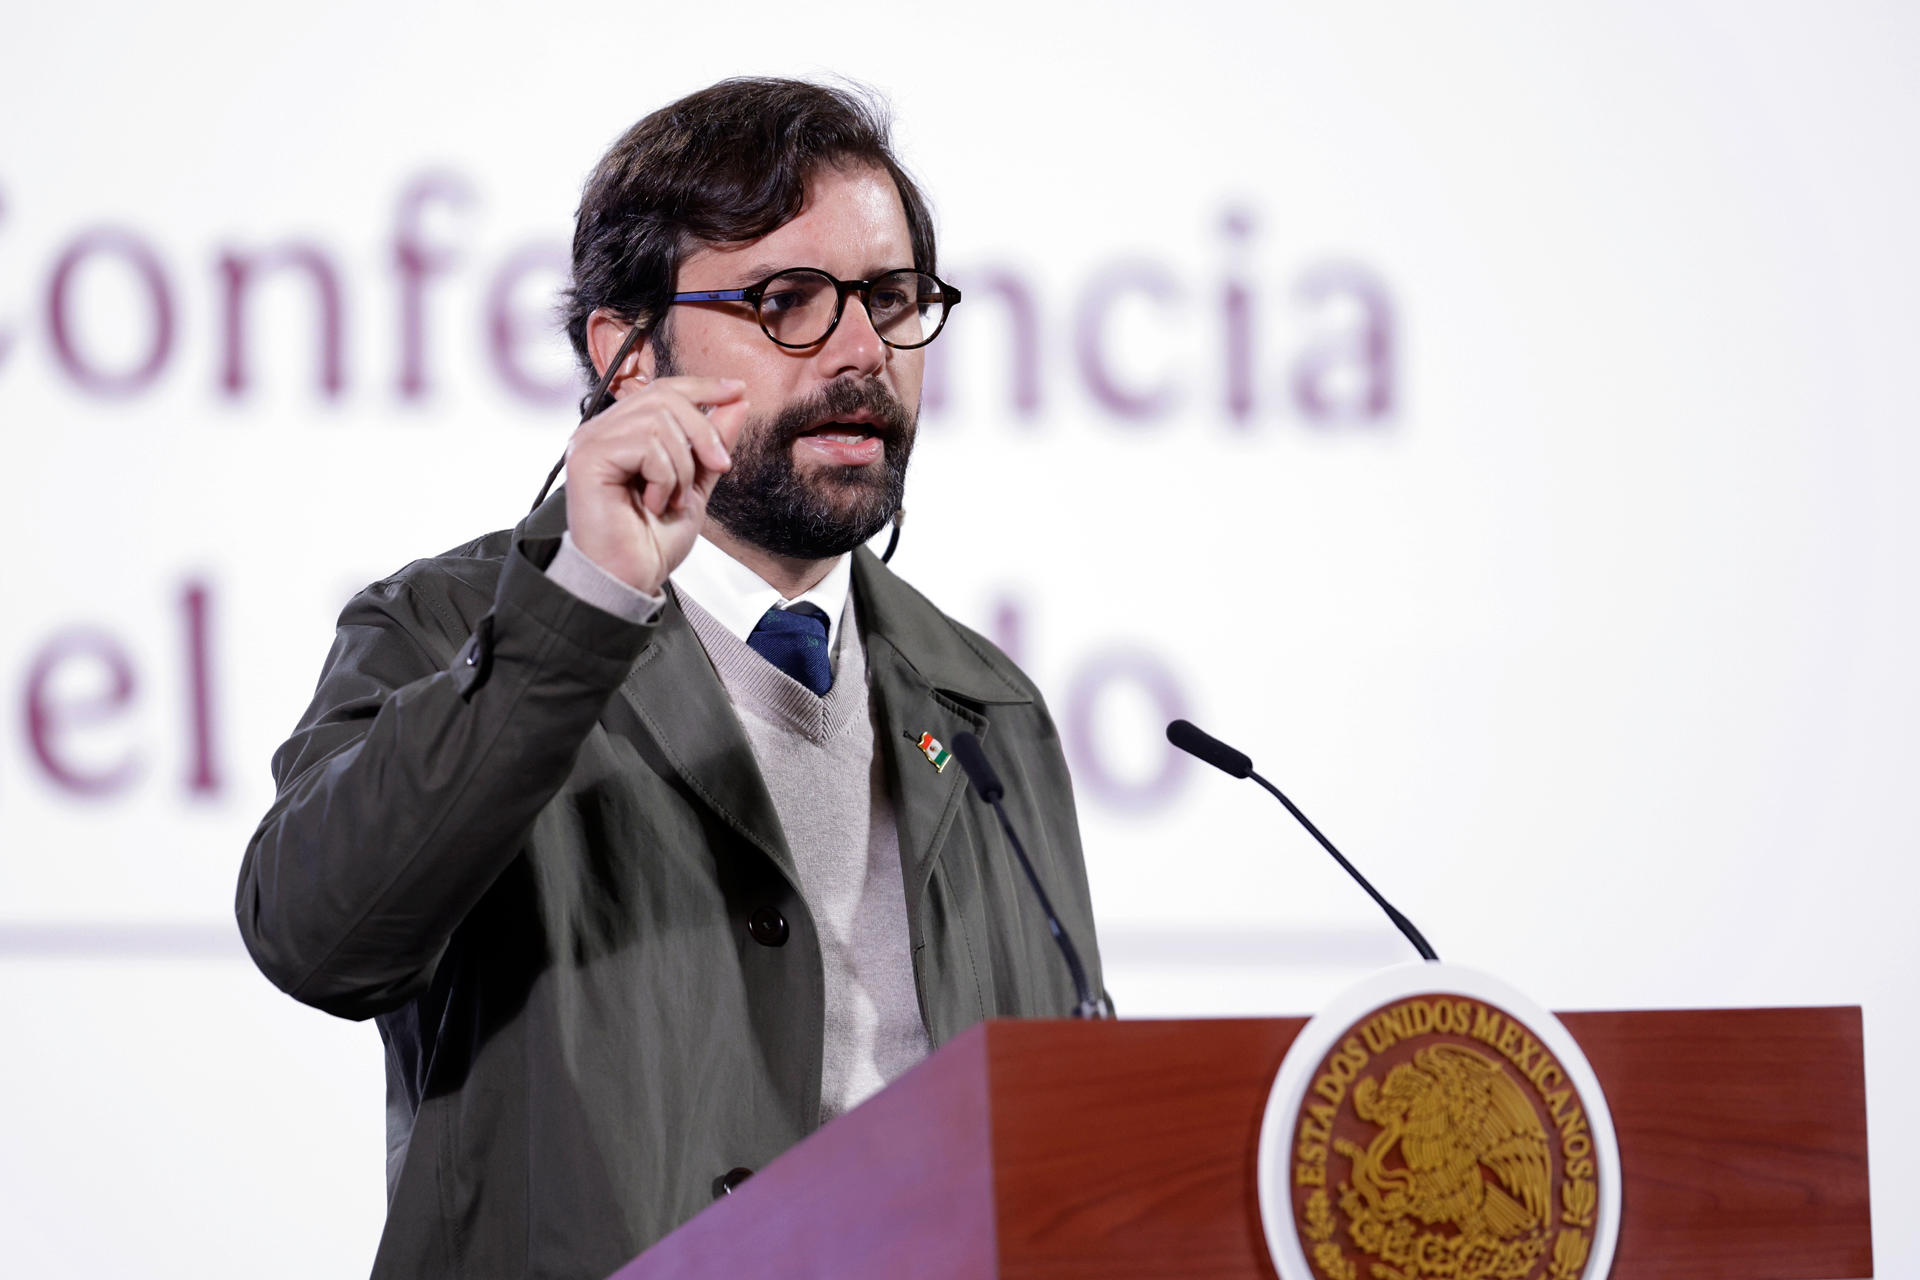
[1204,746]
[987,785]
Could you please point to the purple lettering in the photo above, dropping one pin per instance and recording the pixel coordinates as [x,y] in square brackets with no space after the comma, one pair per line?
[1023,337]
[1101,294]
[238,271]
[1236,315]
[512,327]
[203,777]
[415,260]
[52,714]
[1091,684]
[133,252]
[1347,376]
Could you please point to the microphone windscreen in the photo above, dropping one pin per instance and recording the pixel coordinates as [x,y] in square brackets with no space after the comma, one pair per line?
[1185,735]
[966,749]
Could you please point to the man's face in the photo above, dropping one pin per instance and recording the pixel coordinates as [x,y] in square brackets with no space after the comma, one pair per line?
[821,464]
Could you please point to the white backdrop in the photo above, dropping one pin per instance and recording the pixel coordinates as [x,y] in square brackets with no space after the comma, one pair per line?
[1496,419]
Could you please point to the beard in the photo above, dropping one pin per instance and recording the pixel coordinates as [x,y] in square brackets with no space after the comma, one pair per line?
[765,501]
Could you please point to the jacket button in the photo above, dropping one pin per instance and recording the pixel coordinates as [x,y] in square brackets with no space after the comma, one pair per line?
[726,1182]
[768,928]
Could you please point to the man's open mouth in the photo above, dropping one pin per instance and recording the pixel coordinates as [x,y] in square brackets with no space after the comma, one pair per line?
[853,445]
[842,432]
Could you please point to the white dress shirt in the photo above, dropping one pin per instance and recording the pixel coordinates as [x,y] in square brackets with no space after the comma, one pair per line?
[735,595]
[738,598]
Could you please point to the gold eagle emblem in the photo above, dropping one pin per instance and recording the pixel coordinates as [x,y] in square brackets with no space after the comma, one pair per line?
[1451,1112]
[1442,1141]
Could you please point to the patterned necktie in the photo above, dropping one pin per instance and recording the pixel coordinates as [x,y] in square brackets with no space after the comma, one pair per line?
[795,640]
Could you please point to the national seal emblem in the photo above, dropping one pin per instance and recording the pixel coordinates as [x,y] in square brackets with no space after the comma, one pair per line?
[1447,1132]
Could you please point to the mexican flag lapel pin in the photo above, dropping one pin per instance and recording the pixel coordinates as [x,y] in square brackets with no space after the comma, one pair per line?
[936,755]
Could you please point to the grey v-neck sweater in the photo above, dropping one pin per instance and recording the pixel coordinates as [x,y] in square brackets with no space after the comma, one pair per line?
[829,787]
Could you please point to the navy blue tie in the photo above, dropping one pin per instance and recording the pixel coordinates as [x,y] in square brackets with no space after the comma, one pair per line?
[795,640]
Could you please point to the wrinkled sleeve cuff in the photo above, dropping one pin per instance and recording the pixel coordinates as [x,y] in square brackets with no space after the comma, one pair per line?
[589,582]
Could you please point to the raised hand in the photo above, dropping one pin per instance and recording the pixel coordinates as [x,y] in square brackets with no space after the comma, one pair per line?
[640,472]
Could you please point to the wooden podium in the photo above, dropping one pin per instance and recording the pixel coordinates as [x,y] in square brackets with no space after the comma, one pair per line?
[1118,1150]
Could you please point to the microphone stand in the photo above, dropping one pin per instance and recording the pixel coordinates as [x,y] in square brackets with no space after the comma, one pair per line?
[987,785]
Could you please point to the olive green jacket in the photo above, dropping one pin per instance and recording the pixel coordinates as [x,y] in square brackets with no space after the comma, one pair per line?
[526,836]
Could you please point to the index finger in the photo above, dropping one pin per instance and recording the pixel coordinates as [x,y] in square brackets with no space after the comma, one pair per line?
[727,422]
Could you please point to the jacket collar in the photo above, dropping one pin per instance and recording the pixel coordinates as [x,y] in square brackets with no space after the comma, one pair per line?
[926,640]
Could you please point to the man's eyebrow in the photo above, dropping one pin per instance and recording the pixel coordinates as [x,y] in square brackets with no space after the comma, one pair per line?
[754,274]
[749,276]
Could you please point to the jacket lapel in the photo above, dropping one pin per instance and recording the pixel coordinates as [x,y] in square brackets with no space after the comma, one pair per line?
[927,676]
[672,706]
[926,797]
[675,697]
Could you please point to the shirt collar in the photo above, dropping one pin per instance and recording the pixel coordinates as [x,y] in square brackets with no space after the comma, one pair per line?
[738,598]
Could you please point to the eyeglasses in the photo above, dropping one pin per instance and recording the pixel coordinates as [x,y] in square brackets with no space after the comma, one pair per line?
[801,306]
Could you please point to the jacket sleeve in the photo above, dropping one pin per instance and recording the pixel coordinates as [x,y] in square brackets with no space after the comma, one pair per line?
[412,780]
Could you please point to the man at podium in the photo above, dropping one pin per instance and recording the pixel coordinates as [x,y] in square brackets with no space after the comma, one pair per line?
[632,827]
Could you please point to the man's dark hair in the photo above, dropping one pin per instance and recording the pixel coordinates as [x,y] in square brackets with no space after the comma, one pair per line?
[726,165]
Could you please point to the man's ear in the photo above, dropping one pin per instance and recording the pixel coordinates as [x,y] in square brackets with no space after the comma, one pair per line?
[606,334]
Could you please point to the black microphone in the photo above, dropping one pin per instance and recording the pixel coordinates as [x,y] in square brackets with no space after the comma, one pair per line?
[1188,737]
[1204,746]
[987,785]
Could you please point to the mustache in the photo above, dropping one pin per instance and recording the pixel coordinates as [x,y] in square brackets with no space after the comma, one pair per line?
[840,400]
